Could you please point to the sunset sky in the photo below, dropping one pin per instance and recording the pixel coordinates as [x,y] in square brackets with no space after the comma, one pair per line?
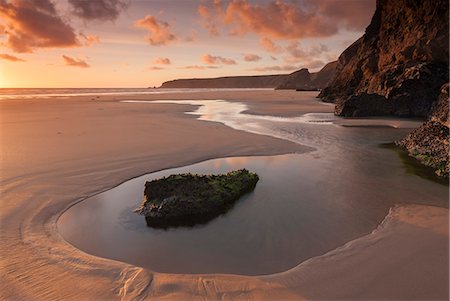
[116,43]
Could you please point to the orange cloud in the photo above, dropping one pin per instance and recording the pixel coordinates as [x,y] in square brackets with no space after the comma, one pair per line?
[162,61]
[11,58]
[90,39]
[287,20]
[296,52]
[268,45]
[31,24]
[208,12]
[69,61]
[352,14]
[106,10]
[159,31]
[251,57]
[216,60]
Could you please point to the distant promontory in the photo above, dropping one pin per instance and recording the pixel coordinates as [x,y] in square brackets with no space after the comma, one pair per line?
[301,80]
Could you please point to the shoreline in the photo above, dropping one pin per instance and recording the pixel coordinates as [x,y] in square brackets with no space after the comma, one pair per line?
[33,246]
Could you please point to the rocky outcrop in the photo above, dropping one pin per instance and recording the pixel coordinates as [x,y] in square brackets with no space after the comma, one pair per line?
[187,199]
[322,78]
[301,80]
[430,142]
[398,66]
[263,81]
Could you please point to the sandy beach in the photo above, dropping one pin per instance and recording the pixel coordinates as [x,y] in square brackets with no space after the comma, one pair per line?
[56,152]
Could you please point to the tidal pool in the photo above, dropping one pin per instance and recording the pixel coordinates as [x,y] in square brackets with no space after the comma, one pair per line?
[303,206]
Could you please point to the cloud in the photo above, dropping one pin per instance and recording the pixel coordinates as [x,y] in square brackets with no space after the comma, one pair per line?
[216,60]
[159,31]
[162,61]
[104,10]
[208,12]
[197,67]
[251,57]
[155,68]
[283,20]
[11,58]
[353,15]
[268,45]
[276,68]
[296,52]
[69,61]
[90,39]
[31,24]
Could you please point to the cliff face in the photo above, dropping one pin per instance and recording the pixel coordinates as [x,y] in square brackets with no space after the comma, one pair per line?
[430,143]
[301,79]
[398,66]
[264,81]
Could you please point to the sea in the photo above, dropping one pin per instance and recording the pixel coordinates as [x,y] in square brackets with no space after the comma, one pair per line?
[24,93]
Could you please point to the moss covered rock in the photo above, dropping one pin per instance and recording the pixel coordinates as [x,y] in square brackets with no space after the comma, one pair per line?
[190,199]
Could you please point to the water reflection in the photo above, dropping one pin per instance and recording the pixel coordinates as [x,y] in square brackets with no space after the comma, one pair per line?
[303,206]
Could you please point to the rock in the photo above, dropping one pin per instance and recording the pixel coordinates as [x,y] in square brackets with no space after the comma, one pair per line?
[302,80]
[430,142]
[262,81]
[187,199]
[399,64]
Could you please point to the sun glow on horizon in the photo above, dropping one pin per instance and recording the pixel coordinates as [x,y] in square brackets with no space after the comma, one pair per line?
[146,43]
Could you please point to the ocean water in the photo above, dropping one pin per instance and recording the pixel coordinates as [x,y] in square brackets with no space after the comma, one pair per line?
[303,206]
[21,93]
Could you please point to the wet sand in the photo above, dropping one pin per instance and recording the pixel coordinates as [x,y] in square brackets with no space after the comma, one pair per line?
[56,152]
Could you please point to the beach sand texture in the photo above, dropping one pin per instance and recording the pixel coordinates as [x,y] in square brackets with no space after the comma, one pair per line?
[56,152]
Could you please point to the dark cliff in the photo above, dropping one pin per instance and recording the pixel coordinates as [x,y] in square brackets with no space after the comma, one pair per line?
[398,66]
[302,79]
[429,143]
[263,81]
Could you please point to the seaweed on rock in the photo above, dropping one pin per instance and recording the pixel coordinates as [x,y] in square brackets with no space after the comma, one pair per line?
[190,199]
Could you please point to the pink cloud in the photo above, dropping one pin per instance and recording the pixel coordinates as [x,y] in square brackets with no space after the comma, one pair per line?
[269,45]
[70,61]
[159,31]
[208,13]
[296,51]
[11,58]
[352,14]
[35,24]
[162,61]
[251,57]
[90,39]
[216,60]
[287,20]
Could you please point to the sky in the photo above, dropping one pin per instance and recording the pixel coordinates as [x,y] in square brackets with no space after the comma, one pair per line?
[137,43]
